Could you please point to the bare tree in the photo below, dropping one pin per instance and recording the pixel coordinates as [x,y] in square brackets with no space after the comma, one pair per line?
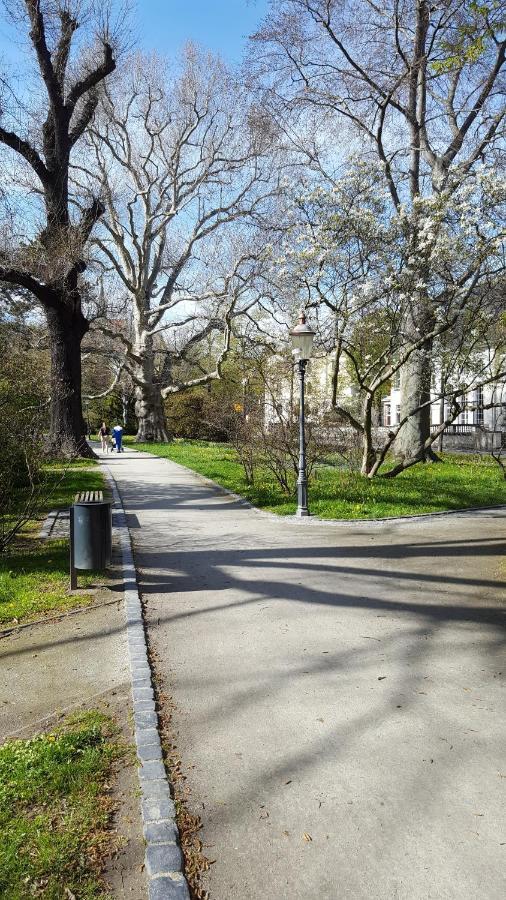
[419,87]
[264,428]
[39,130]
[183,177]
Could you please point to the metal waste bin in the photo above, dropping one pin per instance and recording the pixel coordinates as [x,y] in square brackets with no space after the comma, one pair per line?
[90,536]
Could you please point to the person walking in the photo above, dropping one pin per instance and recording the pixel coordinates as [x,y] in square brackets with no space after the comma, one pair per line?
[118,437]
[103,433]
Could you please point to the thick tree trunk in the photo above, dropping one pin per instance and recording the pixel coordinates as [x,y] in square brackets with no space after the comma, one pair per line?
[67,327]
[415,391]
[149,408]
[150,412]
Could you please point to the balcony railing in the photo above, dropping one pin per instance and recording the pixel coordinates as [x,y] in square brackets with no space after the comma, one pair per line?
[457,428]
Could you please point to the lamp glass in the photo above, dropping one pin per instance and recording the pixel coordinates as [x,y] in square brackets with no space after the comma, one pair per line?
[302,340]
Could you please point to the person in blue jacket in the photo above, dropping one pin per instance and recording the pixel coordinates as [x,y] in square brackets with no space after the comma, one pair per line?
[117,433]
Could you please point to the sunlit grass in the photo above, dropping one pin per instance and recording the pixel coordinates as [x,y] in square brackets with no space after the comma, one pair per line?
[458,482]
[34,579]
[55,810]
[34,574]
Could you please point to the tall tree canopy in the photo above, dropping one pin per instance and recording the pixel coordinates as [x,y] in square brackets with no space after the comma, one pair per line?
[183,170]
[43,243]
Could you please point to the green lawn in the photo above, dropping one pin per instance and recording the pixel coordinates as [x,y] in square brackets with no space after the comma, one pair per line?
[460,481]
[34,574]
[55,810]
[66,480]
[34,579]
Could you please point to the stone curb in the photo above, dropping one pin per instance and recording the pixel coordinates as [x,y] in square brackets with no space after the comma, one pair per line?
[163,857]
[48,524]
[56,517]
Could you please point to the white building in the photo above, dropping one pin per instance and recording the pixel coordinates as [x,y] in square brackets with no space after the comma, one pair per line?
[477,427]
[282,392]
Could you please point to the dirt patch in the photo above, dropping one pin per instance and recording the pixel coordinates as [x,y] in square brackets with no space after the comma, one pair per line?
[124,870]
[196,863]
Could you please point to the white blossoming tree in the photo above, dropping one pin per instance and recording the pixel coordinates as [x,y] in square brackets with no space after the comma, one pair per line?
[417,88]
[347,256]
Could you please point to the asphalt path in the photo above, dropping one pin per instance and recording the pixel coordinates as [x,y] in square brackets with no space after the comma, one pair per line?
[338,697]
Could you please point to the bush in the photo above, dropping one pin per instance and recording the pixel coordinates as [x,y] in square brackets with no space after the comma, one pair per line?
[191,415]
[23,421]
[116,407]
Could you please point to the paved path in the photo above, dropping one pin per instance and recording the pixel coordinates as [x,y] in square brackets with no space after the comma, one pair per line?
[338,695]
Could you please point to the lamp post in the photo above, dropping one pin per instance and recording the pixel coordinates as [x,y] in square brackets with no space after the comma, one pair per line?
[302,342]
[87,418]
[244,382]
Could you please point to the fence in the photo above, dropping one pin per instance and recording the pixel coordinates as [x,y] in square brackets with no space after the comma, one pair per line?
[459,428]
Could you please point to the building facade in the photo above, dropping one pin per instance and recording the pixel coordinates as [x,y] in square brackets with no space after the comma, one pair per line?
[480,425]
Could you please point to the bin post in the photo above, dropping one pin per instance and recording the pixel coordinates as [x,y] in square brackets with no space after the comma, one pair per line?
[73,573]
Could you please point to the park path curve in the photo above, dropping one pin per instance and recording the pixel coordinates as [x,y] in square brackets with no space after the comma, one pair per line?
[338,691]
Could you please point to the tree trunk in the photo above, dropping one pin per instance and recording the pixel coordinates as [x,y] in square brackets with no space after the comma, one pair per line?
[368,450]
[415,389]
[149,408]
[441,409]
[67,433]
[150,412]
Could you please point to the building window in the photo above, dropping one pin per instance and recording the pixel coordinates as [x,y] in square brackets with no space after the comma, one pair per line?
[386,414]
[479,406]
[397,414]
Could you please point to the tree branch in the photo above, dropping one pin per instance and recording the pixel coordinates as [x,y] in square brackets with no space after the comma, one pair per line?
[38,39]
[93,78]
[108,390]
[209,376]
[12,140]
[458,140]
[15,276]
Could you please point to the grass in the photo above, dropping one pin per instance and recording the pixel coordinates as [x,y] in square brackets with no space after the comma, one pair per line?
[34,580]
[70,478]
[55,810]
[458,482]
[34,574]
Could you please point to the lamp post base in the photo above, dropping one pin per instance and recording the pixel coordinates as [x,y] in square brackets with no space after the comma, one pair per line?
[302,511]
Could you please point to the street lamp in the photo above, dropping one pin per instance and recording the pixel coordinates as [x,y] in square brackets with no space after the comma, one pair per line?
[302,342]
[244,382]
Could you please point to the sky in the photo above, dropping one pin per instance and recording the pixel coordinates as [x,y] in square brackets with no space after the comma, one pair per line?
[220,25]
[165,25]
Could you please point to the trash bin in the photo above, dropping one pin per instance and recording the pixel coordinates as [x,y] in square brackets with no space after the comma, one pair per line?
[91,534]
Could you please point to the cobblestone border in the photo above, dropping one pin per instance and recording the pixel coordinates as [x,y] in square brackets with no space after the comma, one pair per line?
[55,518]
[163,859]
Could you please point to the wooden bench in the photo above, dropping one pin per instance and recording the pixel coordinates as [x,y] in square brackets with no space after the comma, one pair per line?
[89,497]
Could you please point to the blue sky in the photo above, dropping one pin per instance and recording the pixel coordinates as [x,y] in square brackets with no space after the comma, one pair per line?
[165,25]
[220,25]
